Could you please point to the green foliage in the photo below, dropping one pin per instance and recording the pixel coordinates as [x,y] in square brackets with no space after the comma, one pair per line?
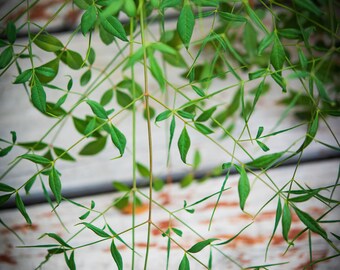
[211,73]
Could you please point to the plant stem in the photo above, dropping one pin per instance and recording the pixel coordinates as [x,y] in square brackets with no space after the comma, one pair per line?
[147,107]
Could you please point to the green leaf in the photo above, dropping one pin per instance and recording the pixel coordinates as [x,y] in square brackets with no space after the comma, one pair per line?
[6,188]
[311,132]
[112,25]
[106,97]
[253,16]
[116,255]
[84,216]
[123,99]
[37,146]
[184,144]
[53,67]
[93,147]
[264,147]
[308,5]
[163,48]
[277,56]
[184,265]
[230,17]
[118,139]
[185,24]
[70,262]
[6,57]
[45,71]
[279,80]
[90,126]
[169,3]
[23,76]
[69,84]
[63,154]
[88,19]
[322,90]
[36,159]
[72,59]
[83,4]
[243,186]
[156,72]
[290,33]
[21,207]
[163,115]
[130,8]
[302,58]
[48,43]
[5,151]
[97,109]
[197,160]
[198,91]
[171,131]
[311,223]
[201,245]
[185,114]
[177,231]
[203,129]
[96,230]
[265,161]
[57,238]
[30,183]
[257,74]
[60,101]
[4,198]
[55,184]
[11,32]
[205,115]
[286,221]
[121,186]
[92,56]
[187,180]
[86,77]
[265,43]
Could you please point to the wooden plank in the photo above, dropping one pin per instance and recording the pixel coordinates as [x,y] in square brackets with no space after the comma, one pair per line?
[246,250]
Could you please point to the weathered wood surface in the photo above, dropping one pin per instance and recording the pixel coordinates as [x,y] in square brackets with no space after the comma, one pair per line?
[246,250]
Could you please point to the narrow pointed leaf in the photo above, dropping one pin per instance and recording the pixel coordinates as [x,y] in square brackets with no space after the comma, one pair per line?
[23,77]
[243,187]
[112,25]
[277,56]
[6,188]
[201,245]
[310,222]
[21,207]
[185,24]
[6,57]
[286,221]
[118,139]
[116,255]
[55,184]
[96,230]
[38,95]
[163,115]
[184,144]
[265,161]
[48,43]
[203,129]
[204,116]
[97,109]
[94,147]
[36,159]
[184,265]
[88,19]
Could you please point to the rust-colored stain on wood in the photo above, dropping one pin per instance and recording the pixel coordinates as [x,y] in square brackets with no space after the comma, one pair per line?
[24,228]
[5,258]
[128,210]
